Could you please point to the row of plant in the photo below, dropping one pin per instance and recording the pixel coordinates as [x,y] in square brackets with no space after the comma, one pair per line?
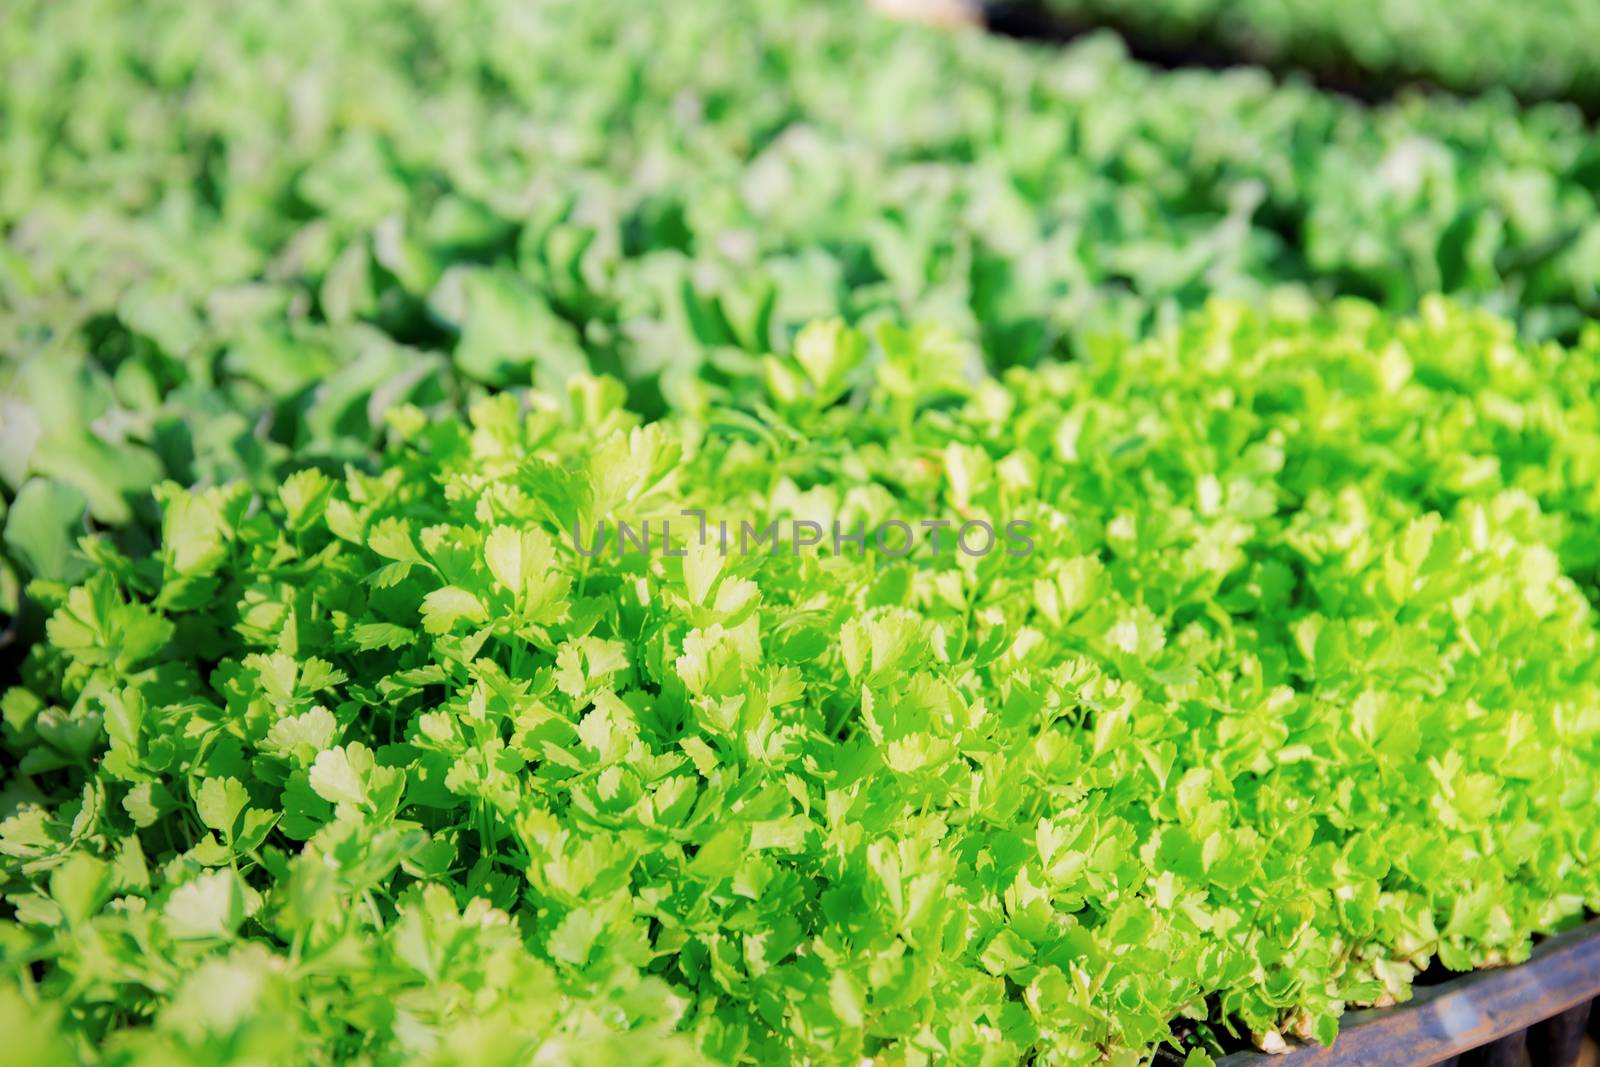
[1289,691]
[237,235]
[1538,49]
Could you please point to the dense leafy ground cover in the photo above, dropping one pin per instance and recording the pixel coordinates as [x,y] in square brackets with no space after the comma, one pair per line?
[236,234]
[1293,693]
[333,747]
[1538,49]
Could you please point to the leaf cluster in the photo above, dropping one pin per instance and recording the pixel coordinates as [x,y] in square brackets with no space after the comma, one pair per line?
[1298,691]
[1535,49]
[236,236]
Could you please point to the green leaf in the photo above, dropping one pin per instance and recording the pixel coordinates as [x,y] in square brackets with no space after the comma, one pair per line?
[41,529]
[444,607]
[80,886]
[219,802]
[210,905]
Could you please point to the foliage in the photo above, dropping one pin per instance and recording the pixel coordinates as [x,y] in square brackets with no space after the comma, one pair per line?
[1538,48]
[238,233]
[1295,692]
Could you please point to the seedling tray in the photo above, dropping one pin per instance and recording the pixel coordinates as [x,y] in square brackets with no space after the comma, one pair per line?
[1534,1013]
